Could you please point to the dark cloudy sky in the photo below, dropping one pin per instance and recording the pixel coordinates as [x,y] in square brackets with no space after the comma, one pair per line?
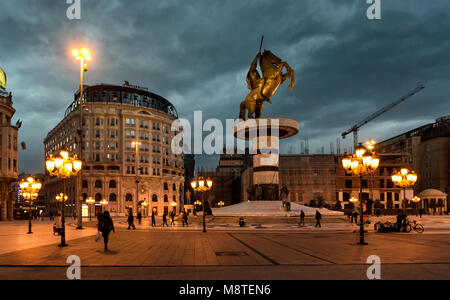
[196,54]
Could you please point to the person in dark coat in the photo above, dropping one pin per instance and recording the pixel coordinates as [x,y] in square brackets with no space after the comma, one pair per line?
[153,219]
[105,226]
[172,217]
[165,220]
[139,217]
[318,218]
[302,219]
[131,219]
[185,219]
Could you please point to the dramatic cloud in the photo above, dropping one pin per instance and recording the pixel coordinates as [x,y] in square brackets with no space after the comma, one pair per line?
[197,53]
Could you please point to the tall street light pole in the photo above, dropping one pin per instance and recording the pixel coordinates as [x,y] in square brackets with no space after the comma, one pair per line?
[364,162]
[202,186]
[64,167]
[30,188]
[404,179]
[81,55]
[136,144]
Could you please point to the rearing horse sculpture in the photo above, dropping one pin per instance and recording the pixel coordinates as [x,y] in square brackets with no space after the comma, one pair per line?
[263,88]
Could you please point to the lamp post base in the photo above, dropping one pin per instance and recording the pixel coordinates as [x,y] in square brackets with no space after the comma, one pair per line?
[79,227]
[63,245]
[362,243]
[29,232]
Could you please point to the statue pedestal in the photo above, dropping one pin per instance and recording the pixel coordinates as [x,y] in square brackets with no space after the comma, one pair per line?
[265,134]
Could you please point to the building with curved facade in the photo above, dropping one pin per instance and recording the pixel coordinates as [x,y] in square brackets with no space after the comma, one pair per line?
[8,152]
[115,118]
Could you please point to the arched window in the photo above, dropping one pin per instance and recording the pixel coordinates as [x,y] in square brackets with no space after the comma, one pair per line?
[166,187]
[128,198]
[98,184]
[84,184]
[174,187]
[112,197]
[98,197]
[166,199]
[112,184]
[154,198]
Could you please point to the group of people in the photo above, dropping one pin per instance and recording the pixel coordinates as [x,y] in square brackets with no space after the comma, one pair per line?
[171,215]
[317,217]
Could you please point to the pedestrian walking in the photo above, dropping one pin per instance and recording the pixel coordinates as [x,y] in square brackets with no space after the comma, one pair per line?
[105,226]
[131,219]
[318,218]
[302,219]
[172,217]
[355,216]
[58,223]
[153,219]
[420,213]
[165,219]
[185,218]
[139,217]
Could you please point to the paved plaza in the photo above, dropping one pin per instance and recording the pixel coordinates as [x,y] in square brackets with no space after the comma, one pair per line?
[224,252]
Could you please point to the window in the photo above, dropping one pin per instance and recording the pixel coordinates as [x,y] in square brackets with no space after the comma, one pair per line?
[166,198]
[112,184]
[174,187]
[364,183]
[348,184]
[98,184]
[154,198]
[98,197]
[128,198]
[166,187]
[84,184]
[381,183]
[112,198]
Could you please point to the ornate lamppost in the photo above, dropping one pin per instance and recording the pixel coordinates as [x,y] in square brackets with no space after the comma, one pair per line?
[104,203]
[202,186]
[145,205]
[174,206]
[90,201]
[404,179]
[364,162]
[29,189]
[82,55]
[416,200]
[64,167]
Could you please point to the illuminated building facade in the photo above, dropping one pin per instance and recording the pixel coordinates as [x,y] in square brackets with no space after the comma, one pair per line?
[115,118]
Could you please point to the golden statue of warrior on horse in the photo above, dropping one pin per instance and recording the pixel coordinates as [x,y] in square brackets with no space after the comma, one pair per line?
[263,88]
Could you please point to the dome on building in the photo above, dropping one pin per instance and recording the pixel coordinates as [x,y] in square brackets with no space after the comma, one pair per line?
[432,193]
[2,79]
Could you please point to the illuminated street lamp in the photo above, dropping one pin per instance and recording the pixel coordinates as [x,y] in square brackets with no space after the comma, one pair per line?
[90,201]
[364,162]
[64,167]
[174,206]
[416,200]
[136,145]
[404,179]
[104,202]
[221,204]
[145,204]
[29,189]
[353,200]
[202,186]
[82,55]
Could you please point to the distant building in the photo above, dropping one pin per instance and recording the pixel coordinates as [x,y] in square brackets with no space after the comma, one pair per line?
[113,118]
[427,150]
[8,152]
[227,178]
[315,178]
